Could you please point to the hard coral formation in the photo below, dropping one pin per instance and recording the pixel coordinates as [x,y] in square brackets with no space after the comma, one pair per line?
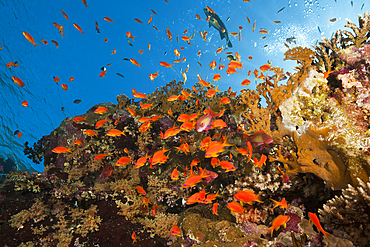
[350,213]
[315,122]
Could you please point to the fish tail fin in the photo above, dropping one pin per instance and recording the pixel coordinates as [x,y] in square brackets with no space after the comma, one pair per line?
[326,234]
[271,229]
[258,198]
[229,43]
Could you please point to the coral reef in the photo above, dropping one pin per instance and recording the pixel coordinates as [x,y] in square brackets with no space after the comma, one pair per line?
[350,213]
[134,169]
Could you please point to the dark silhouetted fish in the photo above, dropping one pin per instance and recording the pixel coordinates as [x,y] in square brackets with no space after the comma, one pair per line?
[215,21]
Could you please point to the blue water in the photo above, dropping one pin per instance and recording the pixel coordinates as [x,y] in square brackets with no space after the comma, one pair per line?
[82,56]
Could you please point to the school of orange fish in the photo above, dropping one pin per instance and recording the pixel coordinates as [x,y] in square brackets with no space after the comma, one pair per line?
[193,122]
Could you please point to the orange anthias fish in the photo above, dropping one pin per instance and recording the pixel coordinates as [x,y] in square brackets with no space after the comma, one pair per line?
[282,204]
[78,28]
[138,20]
[61,150]
[134,237]
[165,64]
[30,39]
[215,148]
[138,95]
[90,133]
[277,222]
[100,156]
[100,110]
[153,76]
[133,61]
[65,15]
[64,86]
[175,231]
[115,132]
[140,190]
[316,222]
[194,179]
[214,208]
[25,103]
[100,123]
[108,19]
[192,199]
[159,157]
[85,3]
[11,64]
[247,196]
[78,119]
[265,67]
[169,34]
[141,161]
[205,121]
[18,81]
[123,161]
[235,207]
[175,174]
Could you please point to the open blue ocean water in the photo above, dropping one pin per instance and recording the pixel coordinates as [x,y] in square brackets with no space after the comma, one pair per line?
[82,56]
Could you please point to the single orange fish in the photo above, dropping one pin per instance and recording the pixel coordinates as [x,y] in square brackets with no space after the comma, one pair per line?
[282,204]
[30,39]
[78,28]
[133,61]
[277,222]
[156,28]
[165,64]
[55,43]
[71,79]
[140,190]
[153,76]
[132,112]
[155,207]
[78,142]
[265,67]
[169,34]
[134,237]
[216,77]
[212,91]
[25,103]
[150,20]
[115,133]
[103,73]
[175,174]
[141,51]
[18,81]
[146,201]
[84,2]
[214,208]
[247,196]
[316,222]
[108,19]
[153,11]
[100,156]
[100,123]
[137,20]
[138,95]
[235,207]
[141,161]
[90,133]
[100,110]
[11,64]
[61,150]
[175,231]
[198,17]
[149,46]
[246,82]
[65,15]
[211,197]
[123,161]
[194,179]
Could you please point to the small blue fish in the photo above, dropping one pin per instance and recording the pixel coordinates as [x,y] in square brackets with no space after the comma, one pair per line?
[319,29]
[332,19]
[352,3]
[362,6]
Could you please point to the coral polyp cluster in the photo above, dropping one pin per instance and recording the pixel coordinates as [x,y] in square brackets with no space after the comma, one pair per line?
[181,167]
